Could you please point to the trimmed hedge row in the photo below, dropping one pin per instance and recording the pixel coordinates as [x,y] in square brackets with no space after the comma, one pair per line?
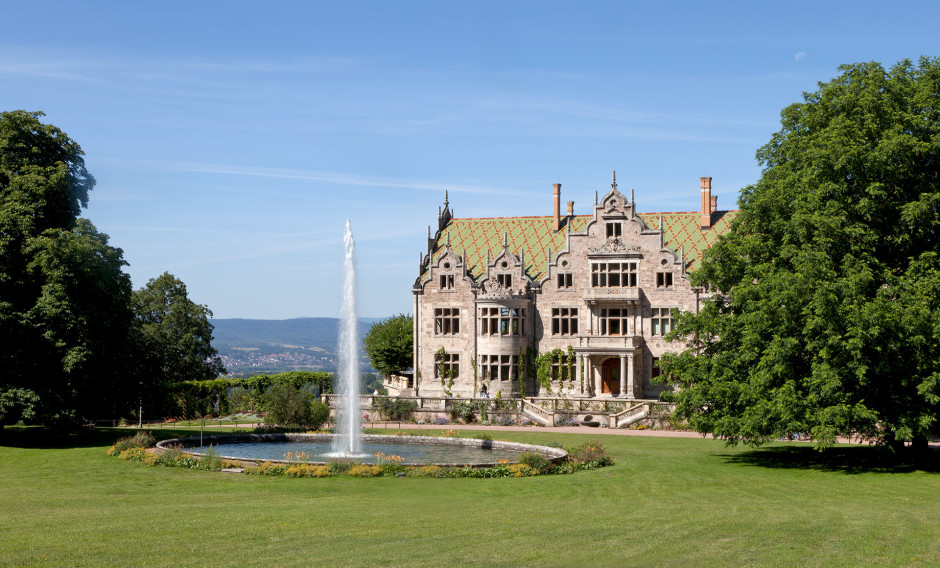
[226,395]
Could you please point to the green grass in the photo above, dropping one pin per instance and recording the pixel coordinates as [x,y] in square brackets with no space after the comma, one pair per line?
[667,502]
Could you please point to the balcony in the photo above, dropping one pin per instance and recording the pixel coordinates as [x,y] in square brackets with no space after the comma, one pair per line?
[609,342]
[595,296]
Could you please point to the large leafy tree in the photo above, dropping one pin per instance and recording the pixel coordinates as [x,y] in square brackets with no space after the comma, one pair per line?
[64,308]
[174,334]
[389,344]
[825,317]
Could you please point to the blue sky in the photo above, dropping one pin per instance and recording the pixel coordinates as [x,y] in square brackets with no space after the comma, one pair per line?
[231,140]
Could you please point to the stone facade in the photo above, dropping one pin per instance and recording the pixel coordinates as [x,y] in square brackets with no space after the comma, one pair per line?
[603,286]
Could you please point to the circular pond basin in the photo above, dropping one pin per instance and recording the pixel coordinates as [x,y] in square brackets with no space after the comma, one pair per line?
[414,450]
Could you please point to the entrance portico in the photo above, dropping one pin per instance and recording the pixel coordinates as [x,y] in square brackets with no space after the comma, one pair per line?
[608,365]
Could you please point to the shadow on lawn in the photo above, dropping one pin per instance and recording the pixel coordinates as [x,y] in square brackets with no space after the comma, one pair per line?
[849,460]
[47,438]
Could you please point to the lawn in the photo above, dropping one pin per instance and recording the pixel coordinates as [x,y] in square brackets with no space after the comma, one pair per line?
[667,502]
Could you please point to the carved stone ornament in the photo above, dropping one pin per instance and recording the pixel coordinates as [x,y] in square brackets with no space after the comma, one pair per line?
[614,246]
[491,286]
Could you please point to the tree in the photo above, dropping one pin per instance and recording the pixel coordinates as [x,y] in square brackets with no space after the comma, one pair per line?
[287,405]
[390,344]
[64,300]
[173,334]
[825,313]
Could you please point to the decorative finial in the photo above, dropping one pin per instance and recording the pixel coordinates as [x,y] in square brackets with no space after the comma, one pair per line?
[448,238]
[506,239]
[631,196]
[445,198]
[595,197]
[429,231]
[613,184]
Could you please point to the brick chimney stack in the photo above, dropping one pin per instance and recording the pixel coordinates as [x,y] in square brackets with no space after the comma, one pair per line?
[709,203]
[571,208]
[556,222]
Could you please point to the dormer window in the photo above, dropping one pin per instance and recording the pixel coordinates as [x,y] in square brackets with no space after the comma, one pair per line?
[614,230]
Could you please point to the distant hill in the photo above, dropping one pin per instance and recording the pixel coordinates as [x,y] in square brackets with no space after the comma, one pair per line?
[252,346]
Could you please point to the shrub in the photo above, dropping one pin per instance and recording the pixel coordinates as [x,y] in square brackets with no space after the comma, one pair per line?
[589,455]
[138,440]
[210,460]
[287,405]
[484,436]
[538,462]
[522,470]
[319,414]
[427,471]
[394,409]
[133,454]
[463,411]
[364,470]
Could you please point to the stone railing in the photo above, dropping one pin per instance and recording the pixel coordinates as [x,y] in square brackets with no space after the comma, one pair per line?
[538,413]
[611,341]
[629,416]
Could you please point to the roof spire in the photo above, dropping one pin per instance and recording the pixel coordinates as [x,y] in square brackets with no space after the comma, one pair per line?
[445,198]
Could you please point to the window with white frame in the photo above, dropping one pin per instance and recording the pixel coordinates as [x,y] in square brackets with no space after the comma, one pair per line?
[661,321]
[446,321]
[613,274]
[499,367]
[614,321]
[502,321]
[564,321]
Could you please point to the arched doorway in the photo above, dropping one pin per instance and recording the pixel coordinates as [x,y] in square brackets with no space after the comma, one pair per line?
[610,377]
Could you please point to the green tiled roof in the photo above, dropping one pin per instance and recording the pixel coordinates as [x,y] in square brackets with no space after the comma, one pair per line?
[473,237]
[682,228]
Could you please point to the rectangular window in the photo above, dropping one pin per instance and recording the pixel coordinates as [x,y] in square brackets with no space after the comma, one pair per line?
[656,370]
[561,370]
[564,280]
[661,321]
[564,321]
[613,274]
[615,321]
[502,321]
[447,281]
[614,230]
[505,280]
[446,321]
[664,279]
[499,367]
[448,364]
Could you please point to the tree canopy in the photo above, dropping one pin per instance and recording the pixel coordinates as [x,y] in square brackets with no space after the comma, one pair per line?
[389,344]
[176,333]
[64,309]
[825,313]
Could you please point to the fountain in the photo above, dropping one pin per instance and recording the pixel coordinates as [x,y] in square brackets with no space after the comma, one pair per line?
[347,442]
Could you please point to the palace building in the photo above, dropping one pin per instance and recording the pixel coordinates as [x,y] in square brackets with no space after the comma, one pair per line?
[602,288]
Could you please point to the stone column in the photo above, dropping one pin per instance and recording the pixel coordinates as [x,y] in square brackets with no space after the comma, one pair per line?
[580,373]
[597,378]
[630,386]
[623,376]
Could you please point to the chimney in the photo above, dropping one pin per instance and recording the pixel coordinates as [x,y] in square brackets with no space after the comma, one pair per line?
[556,222]
[571,208]
[708,204]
